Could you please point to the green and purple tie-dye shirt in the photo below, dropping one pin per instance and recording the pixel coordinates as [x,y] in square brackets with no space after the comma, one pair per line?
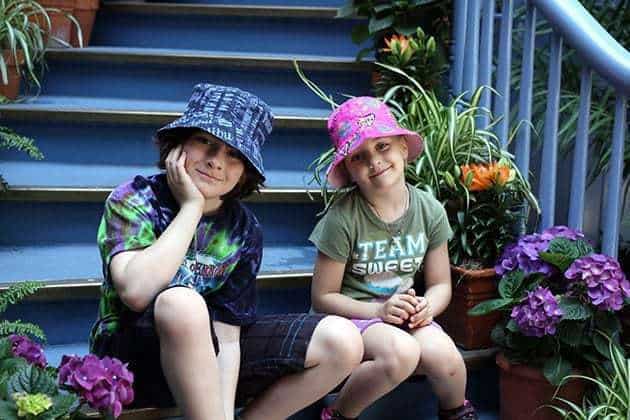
[221,264]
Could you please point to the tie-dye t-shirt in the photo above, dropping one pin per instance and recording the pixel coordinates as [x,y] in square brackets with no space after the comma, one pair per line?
[221,263]
[380,259]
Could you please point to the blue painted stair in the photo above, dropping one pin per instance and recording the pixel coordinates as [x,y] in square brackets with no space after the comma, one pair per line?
[94,123]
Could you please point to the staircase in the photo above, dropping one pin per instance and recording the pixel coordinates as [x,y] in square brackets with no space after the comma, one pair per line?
[94,123]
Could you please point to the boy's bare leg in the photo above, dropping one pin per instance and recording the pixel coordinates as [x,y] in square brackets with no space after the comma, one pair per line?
[333,352]
[443,365]
[391,355]
[188,359]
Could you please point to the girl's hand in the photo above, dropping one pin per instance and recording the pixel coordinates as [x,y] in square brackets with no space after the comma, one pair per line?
[183,188]
[424,314]
[397,309]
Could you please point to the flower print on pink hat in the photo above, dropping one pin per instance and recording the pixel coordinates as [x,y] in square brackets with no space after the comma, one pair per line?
[357,120]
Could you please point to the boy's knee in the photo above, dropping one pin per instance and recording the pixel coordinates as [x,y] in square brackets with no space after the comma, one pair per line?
[179,311]
[338,341]
[401,358]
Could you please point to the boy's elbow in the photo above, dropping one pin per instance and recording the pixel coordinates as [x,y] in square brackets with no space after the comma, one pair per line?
[134,301]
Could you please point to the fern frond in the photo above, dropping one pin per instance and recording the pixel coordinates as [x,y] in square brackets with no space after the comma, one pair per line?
[16,293]
[9,139]
[21,328]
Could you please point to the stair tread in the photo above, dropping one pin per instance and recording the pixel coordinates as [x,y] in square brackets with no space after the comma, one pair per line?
[83,261]
[96,51]
[99,176]
[174,108]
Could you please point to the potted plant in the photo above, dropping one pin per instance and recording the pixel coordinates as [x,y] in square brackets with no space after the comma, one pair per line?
[31,389]
[26,26]
[484,193]
[61,22]
[555,294]
[610,398]
[85,13]
[385,18]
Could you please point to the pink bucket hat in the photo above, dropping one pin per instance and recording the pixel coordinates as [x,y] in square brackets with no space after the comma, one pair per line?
[357,120]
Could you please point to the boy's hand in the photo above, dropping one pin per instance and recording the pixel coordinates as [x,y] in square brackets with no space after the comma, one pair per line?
[397,309]
[183,188]
[423,315]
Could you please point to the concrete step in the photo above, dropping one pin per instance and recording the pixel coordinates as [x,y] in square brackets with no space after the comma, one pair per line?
[118,73]
[257,28]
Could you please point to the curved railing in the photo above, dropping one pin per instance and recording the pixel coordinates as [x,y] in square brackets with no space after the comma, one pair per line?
[484,65]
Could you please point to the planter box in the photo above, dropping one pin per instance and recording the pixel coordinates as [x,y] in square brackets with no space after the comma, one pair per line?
[524,389]
[60,25]
[12,89]
[85,13]
[470,287]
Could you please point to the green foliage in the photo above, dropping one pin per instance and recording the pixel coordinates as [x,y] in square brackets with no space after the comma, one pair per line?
[31,390]
[25,26]
[614,17]
[610,397]
[418,56]
[14,294]
[562,252]
[389,17]
[11,140]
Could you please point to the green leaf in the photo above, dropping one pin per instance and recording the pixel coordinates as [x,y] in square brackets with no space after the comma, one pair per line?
[556,368]
[346,10]
[377,25]
[601,345]
[490,306]
[512,326]
[608,323]
[510,284]
[571,333]
[561,261]
[498,335]
[573,309]
[360,33]
[31,380]
[8,410]
[63,403]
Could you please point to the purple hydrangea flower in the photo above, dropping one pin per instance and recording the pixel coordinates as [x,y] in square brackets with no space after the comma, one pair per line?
[606,284]
[106,384]
[538,314]
[31,351]
[525,253]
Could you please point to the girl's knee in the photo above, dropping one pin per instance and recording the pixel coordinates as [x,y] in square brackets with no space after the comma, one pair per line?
[400,358]
[442,362]
[336,340]
[180,311]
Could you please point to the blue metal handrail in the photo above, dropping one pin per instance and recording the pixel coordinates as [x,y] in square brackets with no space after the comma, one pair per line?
[573,26]
[596,47]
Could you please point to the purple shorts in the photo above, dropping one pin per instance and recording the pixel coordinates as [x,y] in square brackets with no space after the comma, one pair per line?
[364,324]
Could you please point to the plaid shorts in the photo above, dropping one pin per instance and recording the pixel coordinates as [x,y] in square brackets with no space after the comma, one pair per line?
[272,347]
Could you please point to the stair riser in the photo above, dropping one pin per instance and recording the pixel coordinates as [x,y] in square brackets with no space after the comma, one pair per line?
[277,87]
[70,321]
[34,224]
[311,3]
[83,155]
[225,33]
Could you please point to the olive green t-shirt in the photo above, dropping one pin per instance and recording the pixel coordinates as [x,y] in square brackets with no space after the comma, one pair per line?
[381,259]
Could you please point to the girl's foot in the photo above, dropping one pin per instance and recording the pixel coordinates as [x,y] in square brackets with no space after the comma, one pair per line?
[463,412]
[331,414]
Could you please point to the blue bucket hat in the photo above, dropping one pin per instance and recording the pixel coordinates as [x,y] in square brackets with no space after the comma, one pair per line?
[238,118]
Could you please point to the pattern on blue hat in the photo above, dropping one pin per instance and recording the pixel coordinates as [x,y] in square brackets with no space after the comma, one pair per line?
[235,116]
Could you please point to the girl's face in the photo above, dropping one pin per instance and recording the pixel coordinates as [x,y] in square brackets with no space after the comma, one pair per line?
[378,163]
[215,167]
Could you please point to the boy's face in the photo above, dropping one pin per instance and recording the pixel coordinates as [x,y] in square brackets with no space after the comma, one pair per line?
[215,167]
[378,163]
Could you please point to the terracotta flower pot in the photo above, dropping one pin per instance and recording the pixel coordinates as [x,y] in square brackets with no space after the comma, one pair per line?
[85,12]
[60,25]
[470,287]
[524,389]
[12,89]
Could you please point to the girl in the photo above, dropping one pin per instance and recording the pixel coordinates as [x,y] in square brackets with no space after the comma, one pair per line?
[180,257]
[371,242]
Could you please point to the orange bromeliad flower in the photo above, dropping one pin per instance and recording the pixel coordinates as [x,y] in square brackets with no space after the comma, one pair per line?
[402,40]
[484,176]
